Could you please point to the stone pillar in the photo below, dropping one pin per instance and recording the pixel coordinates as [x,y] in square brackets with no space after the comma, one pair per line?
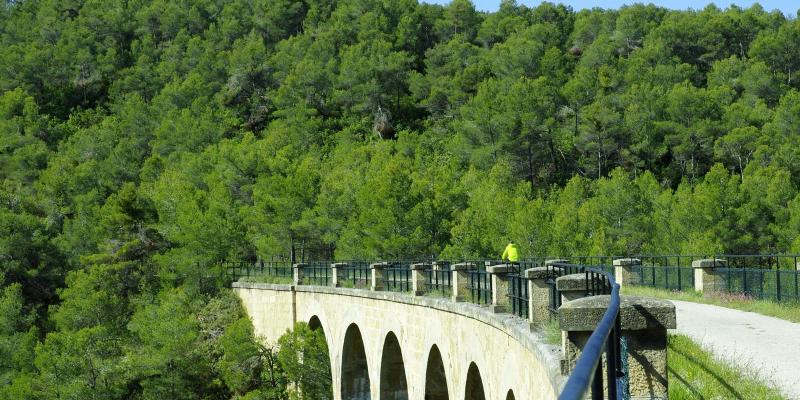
[538,296]
[556,261]
[298,273]
[460,280]
[419,282]
[705,279]
[338,274]
[625,272]
[574,286]
[377,276]
[644,323]
[499,276]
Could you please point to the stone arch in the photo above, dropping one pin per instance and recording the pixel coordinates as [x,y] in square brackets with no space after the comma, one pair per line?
[316,326]
[474,388]
[355,373]
[510,395]
[393,371]
[435,378]
[314,323]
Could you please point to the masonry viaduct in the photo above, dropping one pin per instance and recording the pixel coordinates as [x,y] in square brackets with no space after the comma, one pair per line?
[395,346]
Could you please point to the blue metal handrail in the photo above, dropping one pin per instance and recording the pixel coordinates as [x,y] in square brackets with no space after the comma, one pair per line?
[588,370]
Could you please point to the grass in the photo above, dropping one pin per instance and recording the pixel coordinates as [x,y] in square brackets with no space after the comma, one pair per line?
[551,332]
[786,311]
[697,374]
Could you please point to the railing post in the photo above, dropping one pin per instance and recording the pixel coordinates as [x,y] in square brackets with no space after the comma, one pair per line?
[338,274]
[548,263]
[705,278]
[576,286]
[460,280]
[499,277]
[538,296]
[419,282]
[377,276]
[625,272]
[298,273]
[644,323]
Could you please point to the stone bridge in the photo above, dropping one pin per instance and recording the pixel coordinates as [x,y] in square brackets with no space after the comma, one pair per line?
[417,345]
[385,345]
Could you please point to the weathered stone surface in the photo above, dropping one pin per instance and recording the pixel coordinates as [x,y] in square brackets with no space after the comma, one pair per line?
[419,282]
[420,266]
[537,273]
[709,263]
[338,274]
[627,261]
[575,286]
[571,282]
[705,279]
[798,266]
[463,266]
[556,261]
[538,299]
[500,301]
[460,281]
[377,283]
[500,269]
[625,271]
[644,323]
[647,360]
[636,313]
[508,355]
[575,282]
[297,273]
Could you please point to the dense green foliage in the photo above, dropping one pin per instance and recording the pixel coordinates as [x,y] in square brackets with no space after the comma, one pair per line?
[142,139]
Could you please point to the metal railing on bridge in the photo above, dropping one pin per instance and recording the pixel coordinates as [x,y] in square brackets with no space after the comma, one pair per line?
[438,278]
[587,375]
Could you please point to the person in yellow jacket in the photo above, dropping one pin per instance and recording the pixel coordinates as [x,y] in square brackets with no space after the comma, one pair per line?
[511,253]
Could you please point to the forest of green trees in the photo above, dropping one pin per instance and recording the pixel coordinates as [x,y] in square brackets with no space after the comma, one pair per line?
[142,140]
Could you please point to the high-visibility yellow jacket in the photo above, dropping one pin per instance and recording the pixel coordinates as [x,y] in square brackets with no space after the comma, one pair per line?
[511,253]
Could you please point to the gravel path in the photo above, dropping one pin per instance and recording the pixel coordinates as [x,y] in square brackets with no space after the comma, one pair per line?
[766,345]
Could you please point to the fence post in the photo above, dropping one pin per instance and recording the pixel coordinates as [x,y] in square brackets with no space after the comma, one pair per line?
[644,323]
[298,273]
[460,280]
[624,271]
[575,286]
[419,283]
[499,277]
[705,278]
[538,296]
[548,263]
[377,276]
[338,274]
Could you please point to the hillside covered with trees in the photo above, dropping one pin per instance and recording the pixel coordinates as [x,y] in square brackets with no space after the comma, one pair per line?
[142,140]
